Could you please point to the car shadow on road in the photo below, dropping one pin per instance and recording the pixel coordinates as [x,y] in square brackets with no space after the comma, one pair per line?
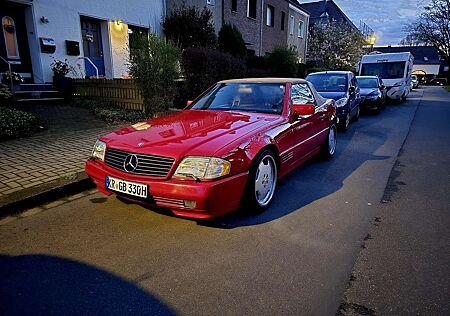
[316,178]
[48,285]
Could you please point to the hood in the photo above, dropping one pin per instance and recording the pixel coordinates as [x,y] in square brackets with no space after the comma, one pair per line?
[333,95]
[189,132]
[366,91]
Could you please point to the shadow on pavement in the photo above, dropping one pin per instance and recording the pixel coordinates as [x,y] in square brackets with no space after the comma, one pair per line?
[45,285]
[316,178]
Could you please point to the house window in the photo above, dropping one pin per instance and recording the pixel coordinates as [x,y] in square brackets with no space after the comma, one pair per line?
[234,5]
[300,29]
[270,16]
[291,25]
[283,17]
[10,35]
[251,9]
[135,35]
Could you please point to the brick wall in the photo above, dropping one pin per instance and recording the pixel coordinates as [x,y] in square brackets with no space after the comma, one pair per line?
[294,39]
[274,36]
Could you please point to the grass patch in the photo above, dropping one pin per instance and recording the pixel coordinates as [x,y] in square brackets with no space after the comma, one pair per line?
[447,87]
[15,123]
[111,114]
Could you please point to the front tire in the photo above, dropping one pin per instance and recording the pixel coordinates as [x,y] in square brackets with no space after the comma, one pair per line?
[358,113]
[344,123]
[262,182]
[329,147]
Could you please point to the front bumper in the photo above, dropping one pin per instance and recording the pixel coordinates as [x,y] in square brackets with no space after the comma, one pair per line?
[370,102]
[212,198]
[396,93]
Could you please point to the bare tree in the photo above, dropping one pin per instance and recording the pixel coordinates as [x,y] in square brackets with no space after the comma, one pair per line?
[433,27]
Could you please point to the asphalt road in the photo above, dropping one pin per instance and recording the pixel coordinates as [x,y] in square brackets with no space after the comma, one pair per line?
[98,255]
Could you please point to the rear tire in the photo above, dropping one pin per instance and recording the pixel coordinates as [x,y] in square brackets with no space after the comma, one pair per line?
[329,147]
[261,183]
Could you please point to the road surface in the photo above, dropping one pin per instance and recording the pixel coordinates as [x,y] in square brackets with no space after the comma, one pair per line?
[98,255]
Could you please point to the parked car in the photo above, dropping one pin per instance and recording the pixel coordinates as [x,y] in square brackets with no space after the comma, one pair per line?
[437,81]
[373,92]
[342,87]
[229,146]
[415,81]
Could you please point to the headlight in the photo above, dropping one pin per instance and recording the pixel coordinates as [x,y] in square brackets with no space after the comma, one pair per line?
[203,168]
[99,150]
[341,102]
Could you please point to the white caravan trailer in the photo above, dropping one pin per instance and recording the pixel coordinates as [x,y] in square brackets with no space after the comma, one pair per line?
[395,69]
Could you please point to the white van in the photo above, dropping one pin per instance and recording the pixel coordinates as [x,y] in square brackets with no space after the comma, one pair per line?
[395,69]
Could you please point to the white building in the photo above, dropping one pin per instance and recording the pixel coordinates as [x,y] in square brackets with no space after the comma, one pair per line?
[36,31]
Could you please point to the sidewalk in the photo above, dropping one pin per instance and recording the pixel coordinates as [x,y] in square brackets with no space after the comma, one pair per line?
[52,158]
[403,267]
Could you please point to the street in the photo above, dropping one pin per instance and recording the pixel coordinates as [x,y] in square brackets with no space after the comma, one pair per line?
[91,254]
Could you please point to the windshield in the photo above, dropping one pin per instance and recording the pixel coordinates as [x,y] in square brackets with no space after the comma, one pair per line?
[249,97]
[393,70]
[367,82]
[329,82]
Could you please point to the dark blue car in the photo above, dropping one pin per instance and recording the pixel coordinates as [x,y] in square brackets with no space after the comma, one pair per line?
[342,87]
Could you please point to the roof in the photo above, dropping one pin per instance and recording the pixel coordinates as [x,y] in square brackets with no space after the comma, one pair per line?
[296,4]
[326,8]
[336,72]
[263,80]
[423,55]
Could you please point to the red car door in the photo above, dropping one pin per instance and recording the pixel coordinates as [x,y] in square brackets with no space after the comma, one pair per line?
[305,129]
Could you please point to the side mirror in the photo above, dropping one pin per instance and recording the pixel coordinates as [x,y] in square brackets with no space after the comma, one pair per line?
[302,109]
[189,102]
[352,89]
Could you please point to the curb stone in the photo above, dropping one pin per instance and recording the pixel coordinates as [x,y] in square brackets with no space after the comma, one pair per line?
[66,185]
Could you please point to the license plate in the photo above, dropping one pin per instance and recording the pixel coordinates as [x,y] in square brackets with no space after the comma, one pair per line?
[127,187]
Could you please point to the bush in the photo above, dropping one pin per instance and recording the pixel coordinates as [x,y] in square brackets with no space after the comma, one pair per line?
[190,27]
[231,41]
[203,67]
[154,64]
[15,123]
[5,94]
[282,62]
[111,114]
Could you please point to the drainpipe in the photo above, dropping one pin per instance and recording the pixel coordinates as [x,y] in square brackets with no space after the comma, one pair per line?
[262,25]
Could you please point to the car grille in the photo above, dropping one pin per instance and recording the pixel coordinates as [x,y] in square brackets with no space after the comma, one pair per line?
[148,165]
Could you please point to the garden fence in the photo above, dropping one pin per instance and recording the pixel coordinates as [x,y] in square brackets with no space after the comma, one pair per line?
[122,92]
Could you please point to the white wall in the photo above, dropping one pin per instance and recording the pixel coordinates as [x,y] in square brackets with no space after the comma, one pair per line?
[64,24]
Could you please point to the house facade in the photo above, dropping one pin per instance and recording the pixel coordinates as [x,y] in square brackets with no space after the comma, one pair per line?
[264,24]
[92,35]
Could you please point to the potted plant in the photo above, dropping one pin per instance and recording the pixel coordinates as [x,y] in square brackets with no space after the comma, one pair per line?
[61,83]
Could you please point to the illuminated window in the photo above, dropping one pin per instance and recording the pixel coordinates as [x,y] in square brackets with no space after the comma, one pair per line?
[9,33]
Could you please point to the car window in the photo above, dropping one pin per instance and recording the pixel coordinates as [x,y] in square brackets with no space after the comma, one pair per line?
[329,82]
[249,97]
[368,82]
[301,94]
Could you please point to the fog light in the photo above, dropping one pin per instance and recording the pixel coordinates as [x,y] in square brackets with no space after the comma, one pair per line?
[189,204]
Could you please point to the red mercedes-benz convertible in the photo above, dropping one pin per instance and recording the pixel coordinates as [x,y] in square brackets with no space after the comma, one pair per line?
[226,149]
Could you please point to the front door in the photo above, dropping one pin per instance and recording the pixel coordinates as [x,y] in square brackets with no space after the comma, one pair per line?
[92,46]
[13,40]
